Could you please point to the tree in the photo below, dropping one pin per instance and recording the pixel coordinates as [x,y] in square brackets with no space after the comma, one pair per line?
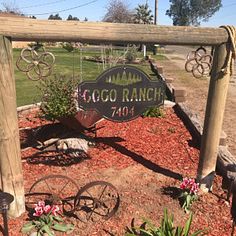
[54,17]
[10,7]
[70,17]
[192,12]
[143,15]
[118,12]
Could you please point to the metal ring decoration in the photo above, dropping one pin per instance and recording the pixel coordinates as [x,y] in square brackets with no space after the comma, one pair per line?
[36,65]
[198,63]
[98,200]
[54,190]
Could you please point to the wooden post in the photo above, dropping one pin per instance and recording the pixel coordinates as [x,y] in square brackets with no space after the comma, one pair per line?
[213,117]
[156,12]
[10,160]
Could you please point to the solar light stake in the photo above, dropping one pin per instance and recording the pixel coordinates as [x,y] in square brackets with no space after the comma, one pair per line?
[5,200]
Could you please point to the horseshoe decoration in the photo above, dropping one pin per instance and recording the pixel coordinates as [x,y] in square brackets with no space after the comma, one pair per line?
[198,63]
[37,65]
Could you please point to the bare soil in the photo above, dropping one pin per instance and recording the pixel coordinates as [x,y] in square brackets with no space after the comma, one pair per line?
[197,90]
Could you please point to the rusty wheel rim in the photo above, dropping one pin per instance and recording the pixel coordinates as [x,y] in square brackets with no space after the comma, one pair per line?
[54,190]
[98,200]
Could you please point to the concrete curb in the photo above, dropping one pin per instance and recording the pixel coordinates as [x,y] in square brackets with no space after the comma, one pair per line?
[28,107]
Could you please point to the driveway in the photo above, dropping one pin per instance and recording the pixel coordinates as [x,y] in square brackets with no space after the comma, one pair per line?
[197,92]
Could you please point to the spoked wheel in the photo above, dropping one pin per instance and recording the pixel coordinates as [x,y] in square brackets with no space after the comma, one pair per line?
[96,201]
[54,190]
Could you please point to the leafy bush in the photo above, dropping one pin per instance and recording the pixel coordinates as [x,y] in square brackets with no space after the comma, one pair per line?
[154,112]
[69,47]
[131,53]
[58,97]
[166,228]
[35,45]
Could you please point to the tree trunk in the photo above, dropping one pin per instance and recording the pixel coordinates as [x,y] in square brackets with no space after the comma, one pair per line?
[10,159]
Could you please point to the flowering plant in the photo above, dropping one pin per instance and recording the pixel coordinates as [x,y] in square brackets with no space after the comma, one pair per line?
[46,218]
[189,193]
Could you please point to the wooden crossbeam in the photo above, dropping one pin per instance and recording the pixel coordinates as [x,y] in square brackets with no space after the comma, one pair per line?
[26,29]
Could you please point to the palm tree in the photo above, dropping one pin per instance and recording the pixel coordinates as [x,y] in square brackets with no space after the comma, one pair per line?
[143,14]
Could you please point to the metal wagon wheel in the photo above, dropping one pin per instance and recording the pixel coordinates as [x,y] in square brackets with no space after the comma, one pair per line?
[96,201]
[54,190]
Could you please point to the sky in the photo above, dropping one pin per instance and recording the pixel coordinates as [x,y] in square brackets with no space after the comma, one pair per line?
[94,10]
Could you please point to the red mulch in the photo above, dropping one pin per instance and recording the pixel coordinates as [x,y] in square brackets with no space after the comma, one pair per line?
[143,158]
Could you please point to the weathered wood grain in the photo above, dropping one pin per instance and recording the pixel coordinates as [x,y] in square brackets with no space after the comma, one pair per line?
[26,29]
[214,115]
[11,176]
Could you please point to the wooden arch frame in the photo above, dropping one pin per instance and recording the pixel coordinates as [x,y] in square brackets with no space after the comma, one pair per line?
[25,29]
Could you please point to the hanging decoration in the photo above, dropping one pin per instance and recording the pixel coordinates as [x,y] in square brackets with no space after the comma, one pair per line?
[199,63]
[36,64]
[121,93]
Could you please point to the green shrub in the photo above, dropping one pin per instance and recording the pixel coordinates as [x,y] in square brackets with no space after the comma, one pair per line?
[57,97]
[131,54]
[166,228]
[69,47]
[35,45]
[154,112]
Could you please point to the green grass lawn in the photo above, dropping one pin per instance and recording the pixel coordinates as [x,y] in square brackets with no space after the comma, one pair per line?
[67,63]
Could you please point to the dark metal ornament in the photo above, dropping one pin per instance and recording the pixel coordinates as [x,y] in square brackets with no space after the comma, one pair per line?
[98,200]
[37,65]
[5,200]
[121,93]
[199,63]
[231,177]
[54,190]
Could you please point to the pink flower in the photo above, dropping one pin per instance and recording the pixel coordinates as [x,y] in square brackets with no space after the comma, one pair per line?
[41,204]
[47,209]
[194,189]
[185,183]
[190,185]
[55,210]
[38,211]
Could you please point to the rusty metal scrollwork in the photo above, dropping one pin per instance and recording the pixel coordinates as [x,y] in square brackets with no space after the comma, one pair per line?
[199,63]
[36,64]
